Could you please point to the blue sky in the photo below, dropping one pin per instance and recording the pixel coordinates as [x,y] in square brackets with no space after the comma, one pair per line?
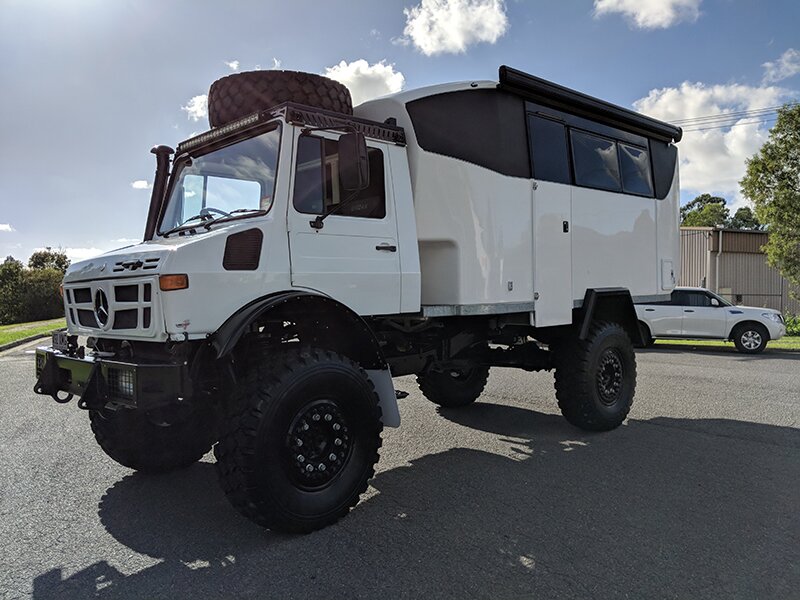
[89,86]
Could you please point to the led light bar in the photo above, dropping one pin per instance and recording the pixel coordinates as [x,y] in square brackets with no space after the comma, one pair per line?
[218,132]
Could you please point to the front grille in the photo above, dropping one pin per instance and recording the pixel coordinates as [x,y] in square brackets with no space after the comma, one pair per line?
[128,304]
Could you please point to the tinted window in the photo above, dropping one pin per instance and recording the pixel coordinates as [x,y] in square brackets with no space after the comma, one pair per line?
[550,160]
[635,170]
[683,298]
[595,161]
[317,187]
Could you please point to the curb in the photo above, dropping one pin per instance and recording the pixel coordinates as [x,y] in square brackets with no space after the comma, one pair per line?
[32,338]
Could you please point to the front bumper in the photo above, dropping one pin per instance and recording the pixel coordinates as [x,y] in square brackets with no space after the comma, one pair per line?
[99,382]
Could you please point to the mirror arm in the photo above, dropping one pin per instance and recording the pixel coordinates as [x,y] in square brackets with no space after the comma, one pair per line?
[317,223]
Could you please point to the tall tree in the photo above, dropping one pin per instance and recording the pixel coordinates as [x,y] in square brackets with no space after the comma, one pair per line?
[49,259]
[772,182]
[705,211]
[744,218]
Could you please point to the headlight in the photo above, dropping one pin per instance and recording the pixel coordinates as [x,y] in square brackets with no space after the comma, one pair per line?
[773,317]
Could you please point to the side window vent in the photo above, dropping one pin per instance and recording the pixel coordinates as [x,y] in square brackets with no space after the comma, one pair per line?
[243,250]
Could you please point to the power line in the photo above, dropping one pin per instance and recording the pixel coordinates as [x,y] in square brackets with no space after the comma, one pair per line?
[729,125]
[729,115]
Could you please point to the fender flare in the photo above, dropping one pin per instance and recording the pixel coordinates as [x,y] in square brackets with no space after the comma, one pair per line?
[360,336]
[609,304]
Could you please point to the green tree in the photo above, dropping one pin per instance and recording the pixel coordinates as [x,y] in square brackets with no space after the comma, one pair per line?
[12,274]
[49,259]
[712,214]
[744,218]
[697,205]
[40,295]
[772,182]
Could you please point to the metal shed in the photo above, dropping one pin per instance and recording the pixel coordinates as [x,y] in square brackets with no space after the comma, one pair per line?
[731,263]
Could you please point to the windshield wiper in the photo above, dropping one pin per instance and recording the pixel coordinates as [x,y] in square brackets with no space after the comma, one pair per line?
[239,213]
[201,216]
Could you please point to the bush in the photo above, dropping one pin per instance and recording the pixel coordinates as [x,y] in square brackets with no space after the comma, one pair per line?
[29,294]
[792,324]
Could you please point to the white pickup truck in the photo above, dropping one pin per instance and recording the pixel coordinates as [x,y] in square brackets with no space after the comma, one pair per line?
[697,313]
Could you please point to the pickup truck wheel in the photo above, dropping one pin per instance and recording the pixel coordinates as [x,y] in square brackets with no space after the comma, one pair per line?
[595,378]
[750,338]
[300,441]
[452,388]
[242,94]
[156,441]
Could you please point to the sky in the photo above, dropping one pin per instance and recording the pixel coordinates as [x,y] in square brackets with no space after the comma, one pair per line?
[89,86]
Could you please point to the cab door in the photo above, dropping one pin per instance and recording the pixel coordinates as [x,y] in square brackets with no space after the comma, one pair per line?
[354,256]
[701,318]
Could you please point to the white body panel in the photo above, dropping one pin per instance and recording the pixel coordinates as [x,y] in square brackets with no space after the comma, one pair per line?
[552,253]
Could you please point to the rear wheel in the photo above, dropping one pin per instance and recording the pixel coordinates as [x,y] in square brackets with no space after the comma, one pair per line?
[595,378]
[155,441]
[452,388]
[301,440]
[750,338]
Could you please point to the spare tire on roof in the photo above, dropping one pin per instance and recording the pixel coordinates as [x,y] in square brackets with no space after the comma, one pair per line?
[242,94]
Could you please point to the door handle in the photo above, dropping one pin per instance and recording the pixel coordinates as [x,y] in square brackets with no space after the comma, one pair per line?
[649,310]
[386,247]
[688,310]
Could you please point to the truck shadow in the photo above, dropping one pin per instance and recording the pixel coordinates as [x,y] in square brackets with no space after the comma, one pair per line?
[663,507]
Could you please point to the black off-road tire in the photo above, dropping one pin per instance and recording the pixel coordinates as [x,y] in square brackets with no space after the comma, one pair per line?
[595,378]
[647,338]
[258,455]
[750,338]
[243,94]
[156,441]
[452,388]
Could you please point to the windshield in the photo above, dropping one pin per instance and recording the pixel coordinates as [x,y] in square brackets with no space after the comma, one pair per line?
[233,181]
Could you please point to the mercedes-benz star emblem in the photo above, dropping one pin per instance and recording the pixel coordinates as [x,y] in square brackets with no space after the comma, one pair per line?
[101,307]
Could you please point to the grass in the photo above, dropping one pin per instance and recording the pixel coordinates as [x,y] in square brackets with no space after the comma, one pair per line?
[20,331]
[791,342]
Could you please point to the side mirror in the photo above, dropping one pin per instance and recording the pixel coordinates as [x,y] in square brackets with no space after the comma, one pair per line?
[714,302]
[353,162]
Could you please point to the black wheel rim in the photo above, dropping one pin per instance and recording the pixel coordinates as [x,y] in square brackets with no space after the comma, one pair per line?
[609,376]
[318,445]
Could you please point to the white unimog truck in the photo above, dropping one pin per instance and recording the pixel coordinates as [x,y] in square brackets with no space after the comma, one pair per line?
[301,253]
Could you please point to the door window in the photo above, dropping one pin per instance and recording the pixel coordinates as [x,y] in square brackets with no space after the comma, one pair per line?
[317,188]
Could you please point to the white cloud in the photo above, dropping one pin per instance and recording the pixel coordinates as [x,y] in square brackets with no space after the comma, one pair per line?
[6,227]
[713,160]
[127,240]
[650,14]
[276,63]
[788,65]
[197,107]
[140,184]
[439,26]
[366,81]
[233,65]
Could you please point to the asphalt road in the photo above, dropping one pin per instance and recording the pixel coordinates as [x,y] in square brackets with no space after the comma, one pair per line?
[696,496]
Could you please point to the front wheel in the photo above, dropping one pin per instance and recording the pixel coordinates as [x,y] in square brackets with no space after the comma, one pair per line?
[750,338]
[301,440]
[595,378]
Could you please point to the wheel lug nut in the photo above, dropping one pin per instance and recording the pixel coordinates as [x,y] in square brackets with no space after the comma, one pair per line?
[301,458]
[336,427]
[321,466]
[332,457]
[337,442]
[305,426]
[315,417]
[299,442]
[309,468]
[328,417]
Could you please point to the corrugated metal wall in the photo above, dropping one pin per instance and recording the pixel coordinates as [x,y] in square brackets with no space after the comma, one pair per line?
[694,257]
[744,275]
